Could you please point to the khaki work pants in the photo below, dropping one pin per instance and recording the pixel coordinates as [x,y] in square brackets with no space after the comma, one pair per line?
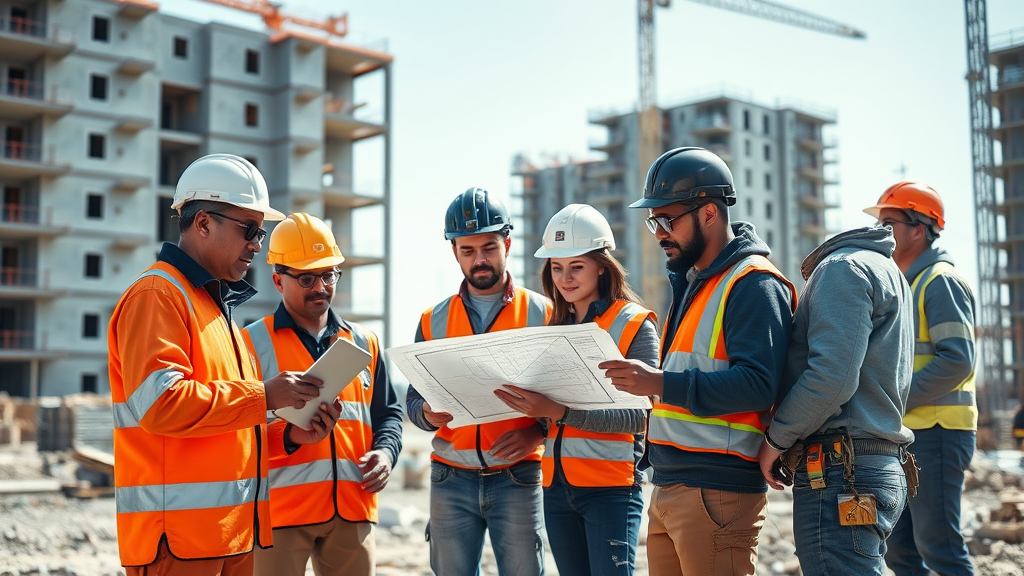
[703,532]
[167,565]
[338,548]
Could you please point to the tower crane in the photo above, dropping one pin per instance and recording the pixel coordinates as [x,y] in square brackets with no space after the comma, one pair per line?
[275,20]
[649,130]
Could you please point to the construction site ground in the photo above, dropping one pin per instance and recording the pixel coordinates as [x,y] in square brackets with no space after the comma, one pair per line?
[48,533]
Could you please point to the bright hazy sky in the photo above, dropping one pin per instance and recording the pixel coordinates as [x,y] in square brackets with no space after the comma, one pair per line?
[477,81]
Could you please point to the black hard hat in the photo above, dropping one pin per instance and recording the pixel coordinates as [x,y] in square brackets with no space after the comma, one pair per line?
[686,174]
[475,211]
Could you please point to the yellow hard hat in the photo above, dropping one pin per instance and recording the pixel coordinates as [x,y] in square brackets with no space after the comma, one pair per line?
[303,242]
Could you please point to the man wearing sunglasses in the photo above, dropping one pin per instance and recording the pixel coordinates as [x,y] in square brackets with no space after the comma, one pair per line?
[189,405]
[323,482]
[941,409]
[723,350]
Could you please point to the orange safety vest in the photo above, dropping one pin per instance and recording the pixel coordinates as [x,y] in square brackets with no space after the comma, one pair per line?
[469,446]
[598,459]
[699,342]
[303,485]
[189,412]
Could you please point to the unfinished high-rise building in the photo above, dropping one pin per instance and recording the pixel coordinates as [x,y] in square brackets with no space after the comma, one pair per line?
[103,104]
[779,157]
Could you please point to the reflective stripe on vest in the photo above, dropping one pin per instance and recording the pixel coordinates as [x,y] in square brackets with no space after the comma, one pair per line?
[699,343]
[186,496]
[459,446]
[957,409]
[315,471]
[592,459]
[128,414]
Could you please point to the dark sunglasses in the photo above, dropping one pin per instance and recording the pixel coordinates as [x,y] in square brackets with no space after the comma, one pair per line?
[653,222]
[329,278]
[252,231]
[889,222]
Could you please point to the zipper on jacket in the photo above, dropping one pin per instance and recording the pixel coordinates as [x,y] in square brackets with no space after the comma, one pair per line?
[334,473]
[259,479]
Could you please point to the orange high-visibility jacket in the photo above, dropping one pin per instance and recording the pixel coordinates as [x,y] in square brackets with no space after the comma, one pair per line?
[318,480]
[699,342]
[598,459]
[469,446]
[189,416]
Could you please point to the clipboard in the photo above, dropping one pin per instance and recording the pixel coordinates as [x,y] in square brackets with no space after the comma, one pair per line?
[339,365]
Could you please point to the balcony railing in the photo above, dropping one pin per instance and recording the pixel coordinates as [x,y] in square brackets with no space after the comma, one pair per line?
[17,150]
[17,340]
[23,214]
[19,277]
[709,121]
[354,110]
[1011,75]
[34,28]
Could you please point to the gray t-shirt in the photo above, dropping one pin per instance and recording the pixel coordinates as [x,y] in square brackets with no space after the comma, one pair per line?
[482,310]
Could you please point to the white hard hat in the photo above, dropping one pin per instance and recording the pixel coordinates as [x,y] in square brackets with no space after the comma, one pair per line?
[574,231]
[225,178]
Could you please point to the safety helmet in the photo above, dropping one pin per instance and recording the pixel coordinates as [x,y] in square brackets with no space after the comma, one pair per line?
[913,197]
[475,211]
[303,242]
[686,174]
[225,178]
[574,231]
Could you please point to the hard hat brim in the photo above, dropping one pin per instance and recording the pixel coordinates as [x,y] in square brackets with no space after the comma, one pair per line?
[655,202]
[486,230]
[313,263]
[876,210]
[544,253]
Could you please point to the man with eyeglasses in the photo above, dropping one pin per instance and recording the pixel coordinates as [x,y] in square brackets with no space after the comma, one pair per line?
[723,350]
[323,482]
[941,408]
[189,404]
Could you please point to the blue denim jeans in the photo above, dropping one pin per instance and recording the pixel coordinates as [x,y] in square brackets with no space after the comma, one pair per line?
[928,537]
[593,530]
[464,504]
[824,546]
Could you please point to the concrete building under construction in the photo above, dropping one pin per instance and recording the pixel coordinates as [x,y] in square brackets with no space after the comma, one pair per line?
[779,157]
[1008,100]
[103,104]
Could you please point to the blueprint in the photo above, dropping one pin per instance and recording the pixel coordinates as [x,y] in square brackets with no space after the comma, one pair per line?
[459,375]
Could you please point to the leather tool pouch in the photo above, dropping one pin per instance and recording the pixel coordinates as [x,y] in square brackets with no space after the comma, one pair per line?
[910,469]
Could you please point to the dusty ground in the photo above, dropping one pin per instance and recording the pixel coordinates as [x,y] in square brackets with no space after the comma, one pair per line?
[53,535]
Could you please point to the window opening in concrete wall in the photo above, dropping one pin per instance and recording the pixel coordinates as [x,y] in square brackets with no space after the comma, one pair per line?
[767,181]
[252,62]
[93,265]
[90,326]
[100,29]
[94,206]
[769,238]
[252,115]
[180,47]
[167,221]
[97,145]
[17,82]
[768,211]
[749,177]
[750,208]
[746,148]
[746,119]
[767,151]
[98,87]
[90,383]
[767,125]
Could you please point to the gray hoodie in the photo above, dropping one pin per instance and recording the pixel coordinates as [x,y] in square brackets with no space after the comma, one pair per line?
[851,355]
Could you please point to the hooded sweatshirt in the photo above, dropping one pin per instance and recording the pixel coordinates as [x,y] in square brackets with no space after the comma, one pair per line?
[851,354]
[947,301]
[757,323]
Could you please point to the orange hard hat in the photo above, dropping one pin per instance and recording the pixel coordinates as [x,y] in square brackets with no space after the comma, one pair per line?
[912,196]
[303,242]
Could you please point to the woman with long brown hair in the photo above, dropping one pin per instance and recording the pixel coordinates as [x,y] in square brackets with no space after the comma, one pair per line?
[592,500]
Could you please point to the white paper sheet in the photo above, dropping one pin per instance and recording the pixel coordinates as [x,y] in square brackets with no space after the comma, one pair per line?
[459,375]
[339,365]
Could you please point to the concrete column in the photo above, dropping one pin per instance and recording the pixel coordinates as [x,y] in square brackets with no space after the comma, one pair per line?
[33,379]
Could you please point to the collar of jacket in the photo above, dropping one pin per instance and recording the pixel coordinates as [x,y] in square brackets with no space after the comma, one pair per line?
[282,319]
[596,308]
[746,243]
[926,259]
[510,289]
[875,238]
[231,293]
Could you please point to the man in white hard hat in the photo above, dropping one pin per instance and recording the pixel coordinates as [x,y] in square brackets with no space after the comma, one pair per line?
[323,483]
[189,408]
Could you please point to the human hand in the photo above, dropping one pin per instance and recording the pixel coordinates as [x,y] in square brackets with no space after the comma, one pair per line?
[770,460]
[323,423]
[436,419]
[532,404]
[634,377]
[376,468]
[291,389]
[517,444]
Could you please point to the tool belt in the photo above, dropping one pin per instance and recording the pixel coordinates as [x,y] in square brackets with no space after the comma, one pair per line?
[820,451]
